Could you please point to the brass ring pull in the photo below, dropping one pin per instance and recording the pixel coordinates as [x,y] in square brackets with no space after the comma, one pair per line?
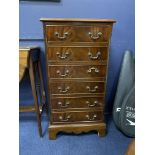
[63,106]
[63,75]
[65,119]
[93,68]
[65,35]
[92,90]
[92,104]
[91,118]
[98,54]
[63,91]
[92,36]
[63,55]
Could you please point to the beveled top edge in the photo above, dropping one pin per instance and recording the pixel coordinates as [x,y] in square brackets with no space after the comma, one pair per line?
[28,47]
[77,20]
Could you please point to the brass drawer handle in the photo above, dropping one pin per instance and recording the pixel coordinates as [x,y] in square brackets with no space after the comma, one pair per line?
[98,54]
[91,118]
[61,118]
[63,75]
[92,104]
[93,68]
[95,37]
[63,106]
[92,90]
[65,35]
[63,91]
[64,55]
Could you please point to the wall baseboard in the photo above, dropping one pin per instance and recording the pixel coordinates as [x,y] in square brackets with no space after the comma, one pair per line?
[31,39]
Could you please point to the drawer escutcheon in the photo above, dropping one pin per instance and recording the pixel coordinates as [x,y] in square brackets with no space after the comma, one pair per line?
[63,75]
[92,104]
[96,70]
[91,118]
[98,54]
[63,91]
[92,90]
[63,106]
[95,37]
[65,119]
[63,55]
[64,36]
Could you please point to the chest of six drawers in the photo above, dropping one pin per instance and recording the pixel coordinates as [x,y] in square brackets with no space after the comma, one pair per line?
[77,72]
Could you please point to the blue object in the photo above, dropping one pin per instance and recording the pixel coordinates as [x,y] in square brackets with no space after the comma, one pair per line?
[124,104]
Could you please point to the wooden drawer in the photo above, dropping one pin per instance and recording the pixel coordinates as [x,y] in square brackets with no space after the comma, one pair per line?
[77,102]
[76,87]
[70,33]
[66,54]
[77,116]
[76,71]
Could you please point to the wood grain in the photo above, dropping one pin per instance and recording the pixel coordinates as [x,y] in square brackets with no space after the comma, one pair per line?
[76,129]
[77,52]
[79,102]
[73,54]
[23,63]
[76,71]
[77,116]
[60,87]
[78,33]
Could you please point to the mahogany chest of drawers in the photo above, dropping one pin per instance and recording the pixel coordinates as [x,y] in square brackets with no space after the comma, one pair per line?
[77,53]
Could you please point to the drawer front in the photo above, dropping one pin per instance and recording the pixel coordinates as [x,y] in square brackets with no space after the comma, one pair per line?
[76,116]
[70,87]
[77,71]
[65,54]
[76,102]
[68,33]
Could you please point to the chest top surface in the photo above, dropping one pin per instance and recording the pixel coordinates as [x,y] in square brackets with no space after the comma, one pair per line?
[76,20]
